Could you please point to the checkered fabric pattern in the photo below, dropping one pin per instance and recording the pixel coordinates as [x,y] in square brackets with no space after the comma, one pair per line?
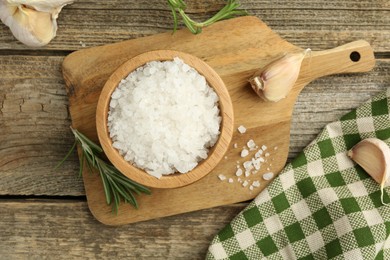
[322,205]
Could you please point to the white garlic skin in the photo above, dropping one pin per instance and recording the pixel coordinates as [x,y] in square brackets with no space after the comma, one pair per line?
[32,22]
[275,81]
[373,155]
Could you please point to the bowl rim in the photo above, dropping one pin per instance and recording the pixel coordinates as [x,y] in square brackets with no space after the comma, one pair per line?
[215,153]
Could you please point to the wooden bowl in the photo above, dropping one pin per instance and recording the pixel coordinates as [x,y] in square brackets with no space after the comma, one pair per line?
[177,179]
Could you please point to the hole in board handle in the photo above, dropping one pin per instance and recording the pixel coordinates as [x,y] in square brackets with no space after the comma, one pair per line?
[354,56]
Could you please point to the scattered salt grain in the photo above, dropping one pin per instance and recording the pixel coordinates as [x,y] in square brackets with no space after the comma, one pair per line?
[239,180]
[238,172]
[258,153]
[251,187]
[245,183]
[268,169]
[235,145]
[244,153]
[226,157]
[251,144]
[248,165]
[264,147]
[275,148]
[266,154]
[247,173]
[256,184]
[241,129]
[230,180]
[256,163]
[268,176]
[148,117]
[222,177]
[82,44]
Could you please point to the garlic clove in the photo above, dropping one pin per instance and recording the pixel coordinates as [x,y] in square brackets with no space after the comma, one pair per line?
[6,11]
[373,155]
[34,23]
[48,6]
[31,27]
[275,81]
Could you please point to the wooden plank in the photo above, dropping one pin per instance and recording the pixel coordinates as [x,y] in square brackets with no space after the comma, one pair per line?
[327,99]
[215,5]
[36,230]
[84,84]
[33,141]
[58,229]
[317,24]
[34,128]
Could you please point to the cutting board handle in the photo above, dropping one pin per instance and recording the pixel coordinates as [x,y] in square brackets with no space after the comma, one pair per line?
[356,56]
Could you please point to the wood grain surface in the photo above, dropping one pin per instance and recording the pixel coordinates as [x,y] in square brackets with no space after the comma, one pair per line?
[87,71]
[43,212]
[60,229]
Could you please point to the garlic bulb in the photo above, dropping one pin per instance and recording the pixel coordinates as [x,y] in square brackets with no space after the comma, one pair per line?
[33,22]
[274,81]
[373,155]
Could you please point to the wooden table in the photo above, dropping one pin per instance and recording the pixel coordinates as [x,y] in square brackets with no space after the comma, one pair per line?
[43,212]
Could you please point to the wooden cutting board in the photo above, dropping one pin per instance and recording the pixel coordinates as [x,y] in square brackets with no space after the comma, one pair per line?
[235,49]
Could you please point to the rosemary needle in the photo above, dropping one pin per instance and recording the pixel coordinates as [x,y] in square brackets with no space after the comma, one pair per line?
[116,186]
[228,11]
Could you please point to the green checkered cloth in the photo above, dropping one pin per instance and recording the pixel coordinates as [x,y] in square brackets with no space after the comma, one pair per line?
[322,205]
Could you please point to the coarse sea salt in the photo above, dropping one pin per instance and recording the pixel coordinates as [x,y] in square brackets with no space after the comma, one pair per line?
[244,153]
[222,177]
[251,145]
[258,153]
[256,184]
[164,117]
[248,166]
[268,176]
[241,129]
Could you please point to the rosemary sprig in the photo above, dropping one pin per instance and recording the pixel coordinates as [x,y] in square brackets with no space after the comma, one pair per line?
[228,11]
[116,186]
